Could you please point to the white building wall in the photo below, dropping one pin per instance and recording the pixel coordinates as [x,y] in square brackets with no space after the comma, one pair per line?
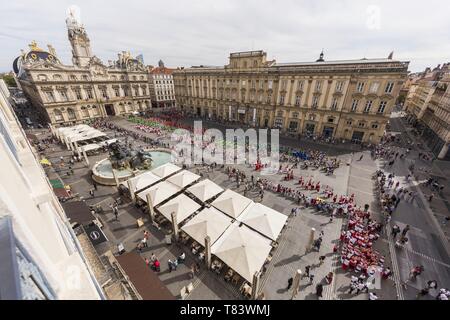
[39,221]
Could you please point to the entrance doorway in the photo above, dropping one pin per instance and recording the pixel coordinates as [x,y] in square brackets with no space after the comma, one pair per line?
[199,112]
[110,110]
[309,128]
[266,123]
[241,117]
[357,136]
[328,132]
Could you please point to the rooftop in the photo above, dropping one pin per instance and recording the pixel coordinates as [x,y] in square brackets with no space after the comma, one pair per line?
[337,62]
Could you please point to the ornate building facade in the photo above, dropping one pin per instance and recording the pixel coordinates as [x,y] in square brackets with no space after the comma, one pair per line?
[350,99]
[428,109]
[161,86]
[87,89]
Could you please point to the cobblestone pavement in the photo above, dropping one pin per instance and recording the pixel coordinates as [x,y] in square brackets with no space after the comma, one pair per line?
[289,255]
[428,243]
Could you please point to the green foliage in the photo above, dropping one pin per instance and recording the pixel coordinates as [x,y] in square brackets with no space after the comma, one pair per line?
[9,80]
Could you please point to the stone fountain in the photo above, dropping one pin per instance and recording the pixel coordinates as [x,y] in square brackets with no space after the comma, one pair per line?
[125,163]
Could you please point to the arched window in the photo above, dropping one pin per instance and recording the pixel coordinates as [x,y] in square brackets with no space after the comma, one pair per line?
[84,112]
[58,115]
[71,114]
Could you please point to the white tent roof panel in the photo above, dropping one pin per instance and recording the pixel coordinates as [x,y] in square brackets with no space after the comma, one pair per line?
[166,170]
[143,180]
[231,203]
[90,147]
[264,220]
[159,192]
[209,222]
[205,190]
[242,249]
[183,178]
[182,205]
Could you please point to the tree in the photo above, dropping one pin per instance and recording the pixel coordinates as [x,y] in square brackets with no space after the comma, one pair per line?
[9,80]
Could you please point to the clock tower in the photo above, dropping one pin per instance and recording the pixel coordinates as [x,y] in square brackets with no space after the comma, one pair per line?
[81,48]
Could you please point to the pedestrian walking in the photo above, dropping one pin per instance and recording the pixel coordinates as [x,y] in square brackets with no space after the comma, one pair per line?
[360,287]
[395,231]
[319,290]
[116,213]
[321,260]
[91,192]
[95,186]
[290,281]
[405,230]
[317,244]
[307,270]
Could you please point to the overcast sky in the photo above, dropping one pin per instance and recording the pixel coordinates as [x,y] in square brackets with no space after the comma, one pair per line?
[193,32]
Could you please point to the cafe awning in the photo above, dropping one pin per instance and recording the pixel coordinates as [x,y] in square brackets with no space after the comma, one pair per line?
[264,220]
[144,280]
[78,212]
[182,205]
[231,203]
[142,181]
[159,192]
[166,170]
[242,249]
[209,222]
[183,178]
[205,190]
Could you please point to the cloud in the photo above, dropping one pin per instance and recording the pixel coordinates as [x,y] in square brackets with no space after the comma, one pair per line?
[190,32]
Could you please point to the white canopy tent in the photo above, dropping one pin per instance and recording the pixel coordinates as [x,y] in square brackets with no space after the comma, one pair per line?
[107,142]
[205,190]
[242,249]
[209,222]
[90,147]
[182,205]
[159,192]
[166,170]
[264,220]
[183,178]
[70,131]
[91,134]
[142,181]
[232,203]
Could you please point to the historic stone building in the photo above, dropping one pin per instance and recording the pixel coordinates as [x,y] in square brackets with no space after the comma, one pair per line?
[161,86]
[85,90]
[350,99]
[428,109]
